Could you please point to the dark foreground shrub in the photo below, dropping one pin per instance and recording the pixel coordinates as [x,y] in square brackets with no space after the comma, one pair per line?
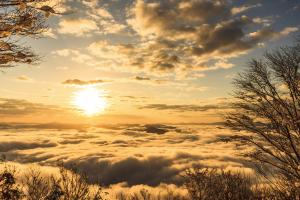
[68,185]
[9,189]
[214,184]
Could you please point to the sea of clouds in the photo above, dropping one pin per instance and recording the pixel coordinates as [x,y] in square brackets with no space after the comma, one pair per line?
[132,154]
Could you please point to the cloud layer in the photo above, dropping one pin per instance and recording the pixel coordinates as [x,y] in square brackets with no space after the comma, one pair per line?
[148,154]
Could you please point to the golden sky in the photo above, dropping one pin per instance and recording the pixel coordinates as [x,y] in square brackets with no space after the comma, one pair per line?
[133,91]
[142,61]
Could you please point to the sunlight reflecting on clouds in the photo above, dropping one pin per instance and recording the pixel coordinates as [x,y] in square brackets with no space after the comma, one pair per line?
[90,101]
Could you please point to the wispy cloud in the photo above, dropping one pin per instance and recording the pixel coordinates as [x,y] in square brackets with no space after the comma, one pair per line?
[185,108]
[141,78]
[81,82]
[77,27]
[24,78]
[16,107]
[241,9]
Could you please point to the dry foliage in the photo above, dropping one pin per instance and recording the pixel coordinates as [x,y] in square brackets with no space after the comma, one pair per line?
[19,19]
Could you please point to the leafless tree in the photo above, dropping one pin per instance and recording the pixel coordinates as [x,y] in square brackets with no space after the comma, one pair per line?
[266,115]
[217,184]
[36,185]
[74,185]
[19,19]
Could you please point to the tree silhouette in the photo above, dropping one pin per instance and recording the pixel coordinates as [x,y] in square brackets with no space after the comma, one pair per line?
[217,184]
[19,19]
[9,189]
[267,116]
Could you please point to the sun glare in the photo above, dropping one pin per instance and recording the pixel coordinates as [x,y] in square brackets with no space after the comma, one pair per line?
[90,101]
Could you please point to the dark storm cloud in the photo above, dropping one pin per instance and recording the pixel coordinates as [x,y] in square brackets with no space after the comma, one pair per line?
[184,108]
[81,82]
[23,107]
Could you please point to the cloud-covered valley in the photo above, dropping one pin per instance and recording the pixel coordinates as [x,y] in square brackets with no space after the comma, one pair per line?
[136,154]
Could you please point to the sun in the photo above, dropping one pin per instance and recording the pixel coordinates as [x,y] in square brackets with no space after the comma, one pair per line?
[90,101]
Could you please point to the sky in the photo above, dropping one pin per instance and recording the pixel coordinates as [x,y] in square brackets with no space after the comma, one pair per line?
[106,62]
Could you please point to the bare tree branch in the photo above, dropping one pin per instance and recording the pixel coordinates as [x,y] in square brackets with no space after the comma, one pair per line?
[266,112]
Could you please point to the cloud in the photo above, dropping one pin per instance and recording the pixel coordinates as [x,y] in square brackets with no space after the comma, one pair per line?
[148,154]
[187,35]
[105,20]
[18,145]
[237,10]
[15,107]
[77,27]
[88,18]
[81,82]
[184,108]
[64,52]
[104,49]
[172,36]
[268,32]
[75,55]
[141,78]
[177,18]
[110,27]
[154,128]
[159,128]
[49,34]
[24,78]
[287,30]
[45,126]
[103,13]
[150,171]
